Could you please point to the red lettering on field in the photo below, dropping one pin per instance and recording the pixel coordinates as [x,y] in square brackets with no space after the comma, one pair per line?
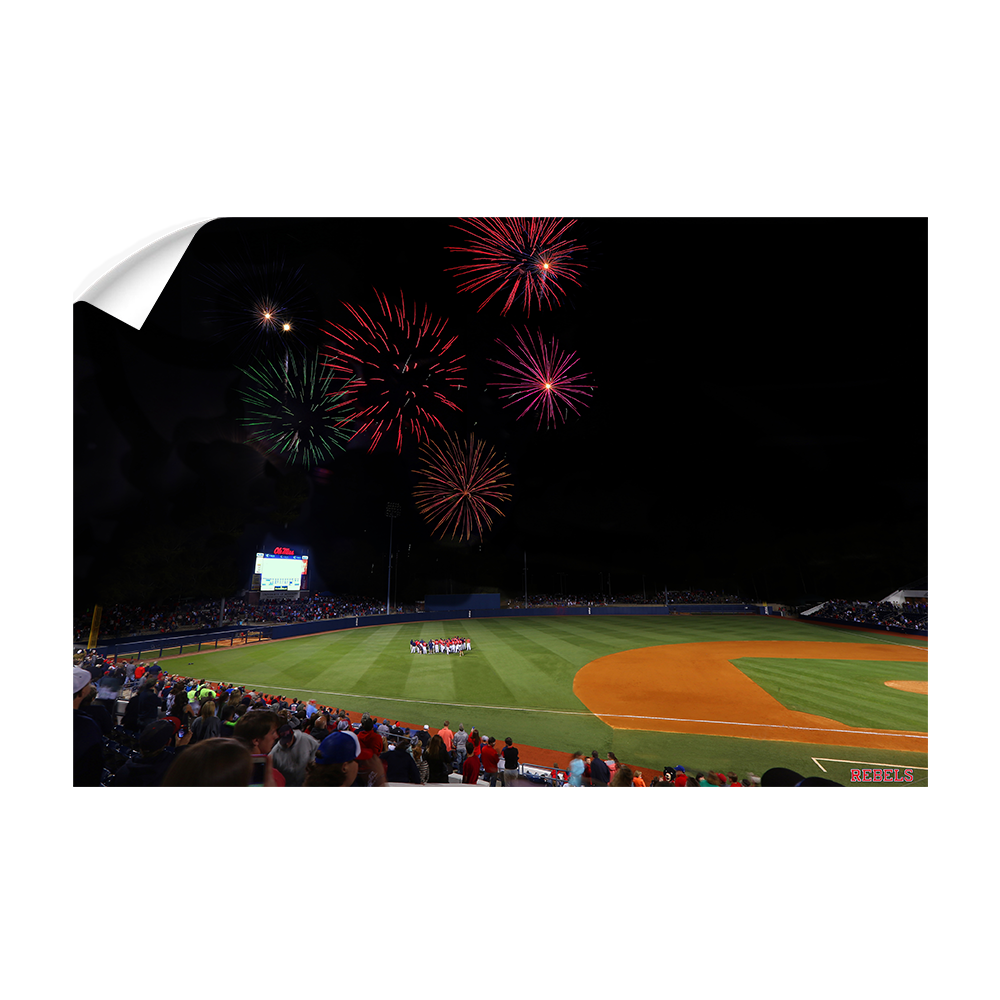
[855,774]
[866,774]
[908,774]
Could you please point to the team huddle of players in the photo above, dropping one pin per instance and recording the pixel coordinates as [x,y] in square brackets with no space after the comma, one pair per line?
[456,644]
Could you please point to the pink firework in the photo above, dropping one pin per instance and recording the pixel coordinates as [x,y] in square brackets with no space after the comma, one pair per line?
[530,259]
[399,370]
[541,379]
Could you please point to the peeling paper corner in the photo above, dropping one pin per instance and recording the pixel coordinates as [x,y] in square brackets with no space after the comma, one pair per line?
[130,289]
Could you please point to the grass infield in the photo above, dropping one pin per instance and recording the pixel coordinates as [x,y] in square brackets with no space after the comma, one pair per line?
[518,681]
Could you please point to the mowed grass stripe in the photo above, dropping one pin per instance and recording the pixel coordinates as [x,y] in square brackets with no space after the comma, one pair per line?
[521,669]
[849,691]
[529,664]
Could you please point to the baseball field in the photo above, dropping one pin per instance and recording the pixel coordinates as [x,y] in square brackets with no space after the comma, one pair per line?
[720,692]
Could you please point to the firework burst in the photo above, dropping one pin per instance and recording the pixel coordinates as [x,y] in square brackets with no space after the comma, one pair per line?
[256,300]
[401,370]
[463,484]
[294,408]
[530,259]
[541,378]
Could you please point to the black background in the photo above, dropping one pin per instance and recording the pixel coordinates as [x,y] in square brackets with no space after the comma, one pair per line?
[759,425]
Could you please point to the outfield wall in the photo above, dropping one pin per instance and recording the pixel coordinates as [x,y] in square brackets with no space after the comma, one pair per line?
[131,644]
[309,628]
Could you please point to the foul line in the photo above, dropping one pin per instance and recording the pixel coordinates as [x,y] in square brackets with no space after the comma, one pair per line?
[600,715]
[874,763]
[908,645]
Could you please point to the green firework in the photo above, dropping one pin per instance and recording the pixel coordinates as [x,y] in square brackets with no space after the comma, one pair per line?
[296,407]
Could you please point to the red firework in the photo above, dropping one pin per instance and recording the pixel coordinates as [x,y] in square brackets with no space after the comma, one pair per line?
[531,259]
[464,482]
[541,378]
[399,370]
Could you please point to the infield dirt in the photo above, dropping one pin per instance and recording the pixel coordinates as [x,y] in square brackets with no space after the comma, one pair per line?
[694,688]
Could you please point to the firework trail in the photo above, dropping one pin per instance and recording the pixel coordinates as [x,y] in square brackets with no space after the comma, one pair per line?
[296,409]
[401,370]
[541,379]
[532,259]
[463,483]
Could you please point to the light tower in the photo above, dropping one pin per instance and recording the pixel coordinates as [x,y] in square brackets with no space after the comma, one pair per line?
[391,510]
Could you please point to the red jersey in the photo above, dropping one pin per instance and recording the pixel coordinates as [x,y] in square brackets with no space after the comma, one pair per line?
[371,743]
[490,759]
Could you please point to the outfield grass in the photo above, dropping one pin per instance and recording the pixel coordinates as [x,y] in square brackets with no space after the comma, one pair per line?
[518,681]
[848,691]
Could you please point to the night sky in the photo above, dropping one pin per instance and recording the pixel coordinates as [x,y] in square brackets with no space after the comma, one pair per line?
[759,423]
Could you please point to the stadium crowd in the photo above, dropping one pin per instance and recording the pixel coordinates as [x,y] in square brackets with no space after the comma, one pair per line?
[178,730]
[881,613]
[125,620]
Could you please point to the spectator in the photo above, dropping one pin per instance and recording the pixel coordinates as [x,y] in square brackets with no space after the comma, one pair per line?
[448,736]
[208,725]
[400,767]
[108,687]
[600,774]
[460,746]
[148,703]
[215,763]
[319,728]
[422,765]
[491,761]
[623,777]
[637,779]
[228,719]
[424,735]
[336,763]
[372,744]
[88,753]
[438,761]
[510,763]
[258,729]
[576,769]
[292,754]
[97,712]
[157,749]
[470,770]
[612,763]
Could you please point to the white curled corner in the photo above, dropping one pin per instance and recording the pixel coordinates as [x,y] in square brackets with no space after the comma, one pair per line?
[130,289]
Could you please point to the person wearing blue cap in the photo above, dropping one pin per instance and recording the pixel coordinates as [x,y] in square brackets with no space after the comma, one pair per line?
[336,764]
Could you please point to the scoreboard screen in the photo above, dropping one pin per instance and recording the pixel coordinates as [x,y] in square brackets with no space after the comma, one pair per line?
[281,571]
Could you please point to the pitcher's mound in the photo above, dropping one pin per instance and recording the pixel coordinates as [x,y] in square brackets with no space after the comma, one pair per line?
[917,687]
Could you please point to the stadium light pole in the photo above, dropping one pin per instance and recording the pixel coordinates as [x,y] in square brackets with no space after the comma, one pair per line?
[391,510]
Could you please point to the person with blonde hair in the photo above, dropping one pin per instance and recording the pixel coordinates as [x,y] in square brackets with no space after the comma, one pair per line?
[208,725]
